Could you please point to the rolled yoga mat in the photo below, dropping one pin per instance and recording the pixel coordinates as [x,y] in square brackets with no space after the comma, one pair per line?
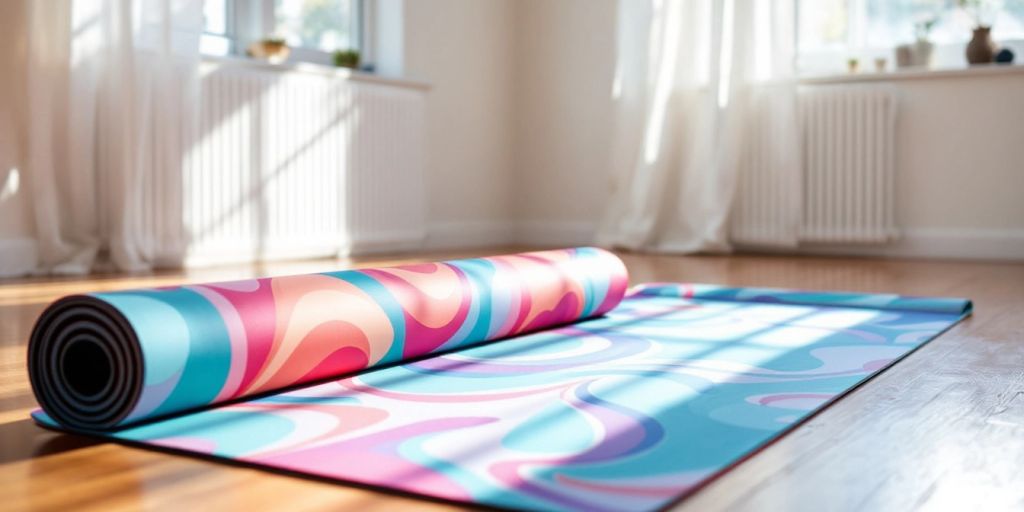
[590,401]
[106,360]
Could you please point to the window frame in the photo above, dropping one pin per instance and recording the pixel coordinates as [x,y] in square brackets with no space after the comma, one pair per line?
[220,43]
[248,21]
[858,45]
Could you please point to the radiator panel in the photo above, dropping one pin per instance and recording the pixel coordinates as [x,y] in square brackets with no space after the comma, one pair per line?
[293,164]
[848,137]
[769,188]
[844,191]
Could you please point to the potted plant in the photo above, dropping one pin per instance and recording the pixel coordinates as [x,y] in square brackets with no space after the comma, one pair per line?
[272,49]
[982,49]
[924,49]
[346,59]
[920,52]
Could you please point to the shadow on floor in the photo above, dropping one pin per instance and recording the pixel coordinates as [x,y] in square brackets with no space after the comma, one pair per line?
[22,440]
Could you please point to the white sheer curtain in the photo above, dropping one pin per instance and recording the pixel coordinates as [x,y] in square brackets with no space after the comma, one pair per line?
[112,88]
[688,73]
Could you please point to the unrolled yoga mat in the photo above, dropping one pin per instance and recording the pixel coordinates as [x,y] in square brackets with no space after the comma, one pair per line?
[631,407]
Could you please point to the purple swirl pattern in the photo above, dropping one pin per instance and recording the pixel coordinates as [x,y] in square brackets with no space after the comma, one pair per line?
[629,411]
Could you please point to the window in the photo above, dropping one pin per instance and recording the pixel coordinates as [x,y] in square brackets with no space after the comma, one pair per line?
[325,25]
[313,29]
[216,38]
[832,31]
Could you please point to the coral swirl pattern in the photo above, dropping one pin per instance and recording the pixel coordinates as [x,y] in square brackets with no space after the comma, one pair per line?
[629,411]
[208,343]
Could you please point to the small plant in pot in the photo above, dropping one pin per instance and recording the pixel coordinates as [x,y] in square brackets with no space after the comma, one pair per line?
[924,49]
[272,49]
[920,52]
[346,59]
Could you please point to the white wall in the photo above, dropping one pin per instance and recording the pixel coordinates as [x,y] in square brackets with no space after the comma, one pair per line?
[12,207]
[960,159]
[565,66]
[15,216]
[960,155]
[464,49]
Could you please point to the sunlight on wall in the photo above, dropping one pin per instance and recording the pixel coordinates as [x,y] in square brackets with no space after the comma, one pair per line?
[11,184]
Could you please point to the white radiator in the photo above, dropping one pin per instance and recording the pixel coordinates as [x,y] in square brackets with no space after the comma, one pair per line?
[294,163]
[769,185]
[844,192]
[849,170]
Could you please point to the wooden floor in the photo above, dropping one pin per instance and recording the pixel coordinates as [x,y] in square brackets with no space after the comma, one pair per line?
[943,429]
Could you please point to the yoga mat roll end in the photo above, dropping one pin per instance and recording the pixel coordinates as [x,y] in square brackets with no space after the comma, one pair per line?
[85,363]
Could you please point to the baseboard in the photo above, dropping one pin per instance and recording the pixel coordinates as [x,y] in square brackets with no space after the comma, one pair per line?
[968,244]
[387,242]
[469,235]
[932,243]
[555,234]
[475,234]
[965,244]
[18,256]
[247,251]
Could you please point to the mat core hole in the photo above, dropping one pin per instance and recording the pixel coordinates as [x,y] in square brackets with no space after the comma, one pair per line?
[86,367]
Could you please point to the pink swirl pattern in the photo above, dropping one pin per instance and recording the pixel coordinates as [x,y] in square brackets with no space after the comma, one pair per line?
[210,343]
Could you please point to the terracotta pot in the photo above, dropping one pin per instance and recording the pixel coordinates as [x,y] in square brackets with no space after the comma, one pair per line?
[272,51]
[982,49]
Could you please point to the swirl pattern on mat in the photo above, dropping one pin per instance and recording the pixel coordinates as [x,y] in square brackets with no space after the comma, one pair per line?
[624,412]
[208,343]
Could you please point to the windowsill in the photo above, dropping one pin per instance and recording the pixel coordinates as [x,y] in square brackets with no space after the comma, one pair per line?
[316,69]
[915,74]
